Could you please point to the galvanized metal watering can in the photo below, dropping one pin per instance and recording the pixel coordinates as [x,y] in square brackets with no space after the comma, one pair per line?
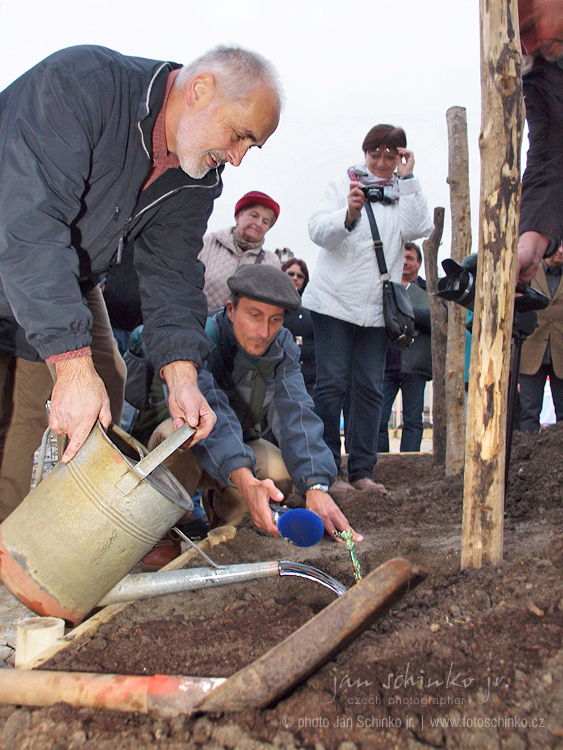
[84,527]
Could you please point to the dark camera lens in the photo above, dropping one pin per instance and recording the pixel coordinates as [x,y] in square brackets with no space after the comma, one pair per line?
[457,285]
[374,193]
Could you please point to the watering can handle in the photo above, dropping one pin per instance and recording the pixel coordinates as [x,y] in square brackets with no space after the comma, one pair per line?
[141,470]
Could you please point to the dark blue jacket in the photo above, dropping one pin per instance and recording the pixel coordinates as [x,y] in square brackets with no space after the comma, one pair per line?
[75,149]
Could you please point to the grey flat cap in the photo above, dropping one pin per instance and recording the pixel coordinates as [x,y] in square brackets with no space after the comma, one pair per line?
[265,284]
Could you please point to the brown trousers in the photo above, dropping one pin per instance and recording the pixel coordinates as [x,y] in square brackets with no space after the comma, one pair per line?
[25,388]
[228,502]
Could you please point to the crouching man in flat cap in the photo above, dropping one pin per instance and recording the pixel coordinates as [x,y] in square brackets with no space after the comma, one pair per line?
[252,380]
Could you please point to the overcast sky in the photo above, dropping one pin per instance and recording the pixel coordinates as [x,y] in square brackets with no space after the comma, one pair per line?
[344,68]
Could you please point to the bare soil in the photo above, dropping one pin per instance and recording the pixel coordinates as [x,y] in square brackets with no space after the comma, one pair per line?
[469,659]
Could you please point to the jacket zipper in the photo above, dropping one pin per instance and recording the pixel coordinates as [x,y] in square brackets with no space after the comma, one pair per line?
[125,230]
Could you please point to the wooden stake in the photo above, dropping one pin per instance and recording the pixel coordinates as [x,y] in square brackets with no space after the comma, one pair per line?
[500,143]
[458,180]
[438,322]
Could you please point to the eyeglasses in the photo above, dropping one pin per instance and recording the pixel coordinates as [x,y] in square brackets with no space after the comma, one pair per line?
[297,275]
[385,153]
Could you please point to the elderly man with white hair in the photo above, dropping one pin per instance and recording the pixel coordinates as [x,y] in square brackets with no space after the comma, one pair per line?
[99,151]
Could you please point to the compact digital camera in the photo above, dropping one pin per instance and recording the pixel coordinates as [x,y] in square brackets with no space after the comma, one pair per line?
[374,193]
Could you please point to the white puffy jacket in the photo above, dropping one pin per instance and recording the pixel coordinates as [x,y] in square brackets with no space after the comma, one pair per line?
[345,283]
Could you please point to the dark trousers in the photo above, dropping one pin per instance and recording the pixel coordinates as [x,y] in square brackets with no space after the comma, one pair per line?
[531,397]
[412,389]
[350,358]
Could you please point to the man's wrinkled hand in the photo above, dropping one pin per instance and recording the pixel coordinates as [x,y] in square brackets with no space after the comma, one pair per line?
[78,399]
[186,402]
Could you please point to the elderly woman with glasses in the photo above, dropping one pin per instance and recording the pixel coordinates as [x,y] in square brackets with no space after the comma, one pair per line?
[224,251]
[345,293]
[300,323]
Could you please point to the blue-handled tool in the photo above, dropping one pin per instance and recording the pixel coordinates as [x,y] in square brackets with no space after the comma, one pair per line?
[299,526]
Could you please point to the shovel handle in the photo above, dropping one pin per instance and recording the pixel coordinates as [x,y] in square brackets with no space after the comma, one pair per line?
[141,470]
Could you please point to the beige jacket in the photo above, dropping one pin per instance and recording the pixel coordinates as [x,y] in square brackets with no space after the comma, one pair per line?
[222,258]
[550,326]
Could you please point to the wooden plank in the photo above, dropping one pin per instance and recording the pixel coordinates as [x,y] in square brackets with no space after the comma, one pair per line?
[306,650]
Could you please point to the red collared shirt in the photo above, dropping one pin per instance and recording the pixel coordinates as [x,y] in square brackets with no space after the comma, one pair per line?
[162,159]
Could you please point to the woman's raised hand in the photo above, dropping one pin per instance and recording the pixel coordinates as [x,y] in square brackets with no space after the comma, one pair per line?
[405,162]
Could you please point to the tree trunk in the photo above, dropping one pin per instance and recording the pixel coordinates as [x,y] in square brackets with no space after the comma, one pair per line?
[438,323]
[458,180]
[500,143]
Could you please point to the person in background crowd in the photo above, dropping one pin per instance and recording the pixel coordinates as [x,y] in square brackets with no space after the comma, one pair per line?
[300,323]
[409,369]
[225,250]
[345,293]
[412,265]
[542,352]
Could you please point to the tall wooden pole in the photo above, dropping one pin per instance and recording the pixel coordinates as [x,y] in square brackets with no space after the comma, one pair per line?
[438,323]
[458,180]
[500,143]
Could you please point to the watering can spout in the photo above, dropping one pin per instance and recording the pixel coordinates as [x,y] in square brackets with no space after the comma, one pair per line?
[289,568]
[144,585]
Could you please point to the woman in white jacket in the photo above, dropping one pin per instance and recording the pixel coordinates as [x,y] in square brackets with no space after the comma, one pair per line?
[345,293]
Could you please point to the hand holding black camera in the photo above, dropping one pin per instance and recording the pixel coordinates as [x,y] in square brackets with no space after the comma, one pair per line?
[356,199]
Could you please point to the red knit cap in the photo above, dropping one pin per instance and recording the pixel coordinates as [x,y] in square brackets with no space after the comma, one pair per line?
[256,198]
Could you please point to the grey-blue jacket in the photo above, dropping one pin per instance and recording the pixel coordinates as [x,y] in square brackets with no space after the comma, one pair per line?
[226,383]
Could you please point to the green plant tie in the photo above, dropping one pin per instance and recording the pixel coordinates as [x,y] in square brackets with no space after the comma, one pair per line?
[348,539]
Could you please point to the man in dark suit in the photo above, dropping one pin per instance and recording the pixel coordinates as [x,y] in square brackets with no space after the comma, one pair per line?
[409,369]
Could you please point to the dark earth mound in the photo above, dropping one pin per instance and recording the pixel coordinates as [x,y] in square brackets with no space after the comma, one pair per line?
[470,659]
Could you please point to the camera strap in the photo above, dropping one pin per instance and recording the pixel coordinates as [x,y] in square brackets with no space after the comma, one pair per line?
[377,243]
